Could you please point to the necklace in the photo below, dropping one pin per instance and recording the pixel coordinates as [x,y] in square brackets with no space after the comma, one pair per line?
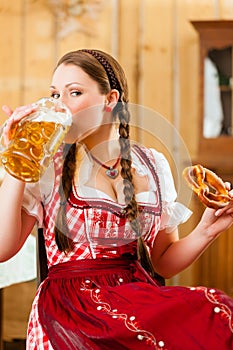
[111,171]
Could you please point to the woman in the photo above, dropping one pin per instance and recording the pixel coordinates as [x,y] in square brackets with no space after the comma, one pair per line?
[110,220]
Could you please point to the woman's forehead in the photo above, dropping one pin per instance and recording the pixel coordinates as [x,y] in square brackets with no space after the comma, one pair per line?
[69,74]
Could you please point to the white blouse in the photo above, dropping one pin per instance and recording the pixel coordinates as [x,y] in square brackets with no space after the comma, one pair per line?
[173,213]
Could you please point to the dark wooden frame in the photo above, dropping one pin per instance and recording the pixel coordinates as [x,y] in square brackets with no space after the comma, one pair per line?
[42,267]
[215,153]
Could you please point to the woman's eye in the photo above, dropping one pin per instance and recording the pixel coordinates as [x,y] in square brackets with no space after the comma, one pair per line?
[55,95]
[75,93]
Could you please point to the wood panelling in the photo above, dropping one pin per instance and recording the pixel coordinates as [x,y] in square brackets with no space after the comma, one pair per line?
[158,47]
[17,300]
[10,63]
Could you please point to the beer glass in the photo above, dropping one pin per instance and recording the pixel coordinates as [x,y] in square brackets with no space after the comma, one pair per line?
[35,140]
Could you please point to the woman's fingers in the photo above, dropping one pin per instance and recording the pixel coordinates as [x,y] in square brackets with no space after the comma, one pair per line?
[228,185]
[14,117]
[7,110]
[21,112]
[228,209]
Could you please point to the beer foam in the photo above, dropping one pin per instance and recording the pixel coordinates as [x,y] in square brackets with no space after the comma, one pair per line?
[51,116]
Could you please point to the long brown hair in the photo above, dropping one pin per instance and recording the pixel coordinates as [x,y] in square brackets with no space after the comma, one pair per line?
[108,73]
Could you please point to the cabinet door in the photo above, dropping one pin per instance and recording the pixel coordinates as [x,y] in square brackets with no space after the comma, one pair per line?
[215,113]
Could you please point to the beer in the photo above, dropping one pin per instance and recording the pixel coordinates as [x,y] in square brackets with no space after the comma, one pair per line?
[28,156]
[36,139]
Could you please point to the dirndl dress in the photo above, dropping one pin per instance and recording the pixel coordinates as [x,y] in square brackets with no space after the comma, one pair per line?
[99,297]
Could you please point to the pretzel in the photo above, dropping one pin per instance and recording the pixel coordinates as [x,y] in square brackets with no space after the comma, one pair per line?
[209,188]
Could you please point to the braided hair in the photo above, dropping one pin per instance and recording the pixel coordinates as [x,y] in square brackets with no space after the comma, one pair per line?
[107,72]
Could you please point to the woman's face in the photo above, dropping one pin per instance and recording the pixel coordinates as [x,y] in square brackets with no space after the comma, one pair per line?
[81,95]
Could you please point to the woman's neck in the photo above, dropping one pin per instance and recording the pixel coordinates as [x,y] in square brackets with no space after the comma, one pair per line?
[103,145]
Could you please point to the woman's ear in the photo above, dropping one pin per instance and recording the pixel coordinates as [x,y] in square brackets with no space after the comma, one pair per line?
[112,99]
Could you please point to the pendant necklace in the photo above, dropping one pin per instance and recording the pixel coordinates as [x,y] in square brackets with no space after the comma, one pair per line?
[111,171]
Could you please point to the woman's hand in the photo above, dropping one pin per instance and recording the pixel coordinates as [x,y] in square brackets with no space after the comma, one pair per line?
[217,221]
[228,209]
[14,117]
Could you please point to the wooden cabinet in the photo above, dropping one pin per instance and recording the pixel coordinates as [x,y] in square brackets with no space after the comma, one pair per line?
[215,146]
[215,140]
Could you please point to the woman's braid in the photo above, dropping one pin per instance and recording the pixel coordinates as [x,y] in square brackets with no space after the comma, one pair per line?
[126,173]
[126,162]
[61,230]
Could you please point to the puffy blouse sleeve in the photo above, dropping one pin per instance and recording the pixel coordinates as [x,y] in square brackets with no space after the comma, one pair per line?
[173,212]
[32,202]
[37,193]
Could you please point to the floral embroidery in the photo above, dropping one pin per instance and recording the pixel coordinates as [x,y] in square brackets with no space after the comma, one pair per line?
[129,321]
[219,307]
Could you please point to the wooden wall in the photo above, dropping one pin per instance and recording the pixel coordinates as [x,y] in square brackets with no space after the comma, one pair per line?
[157,46]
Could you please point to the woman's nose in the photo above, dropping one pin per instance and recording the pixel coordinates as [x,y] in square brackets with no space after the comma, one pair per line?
[64,100]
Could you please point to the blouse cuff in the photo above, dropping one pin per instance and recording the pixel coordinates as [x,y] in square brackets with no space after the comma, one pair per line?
[173,215]
[33,207]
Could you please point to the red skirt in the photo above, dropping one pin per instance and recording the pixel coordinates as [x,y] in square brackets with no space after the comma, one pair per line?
[114,304]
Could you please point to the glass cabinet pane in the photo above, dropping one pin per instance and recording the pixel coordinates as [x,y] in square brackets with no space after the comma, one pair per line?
[218,93]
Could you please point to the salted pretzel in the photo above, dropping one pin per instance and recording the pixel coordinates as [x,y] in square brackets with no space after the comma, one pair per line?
[209,187]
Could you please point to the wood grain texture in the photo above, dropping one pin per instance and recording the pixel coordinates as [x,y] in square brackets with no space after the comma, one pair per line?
[159,49]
